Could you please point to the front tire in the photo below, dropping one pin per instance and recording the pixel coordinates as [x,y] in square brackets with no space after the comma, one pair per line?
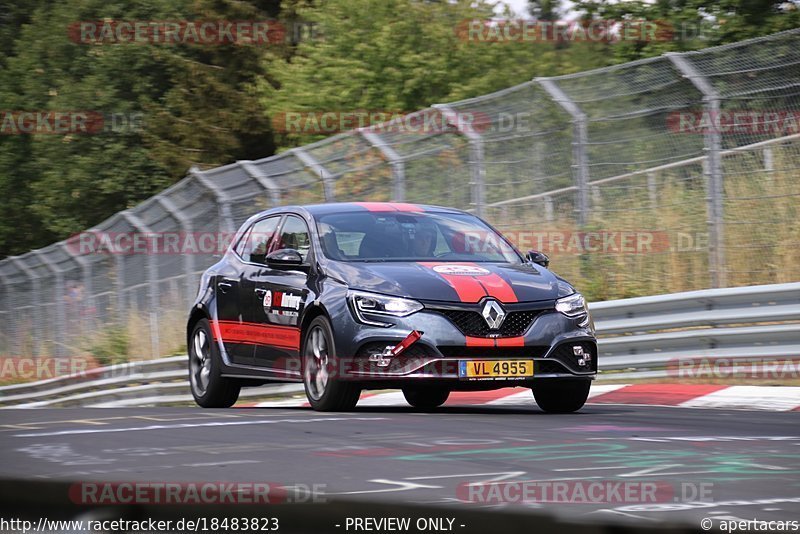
[561,396]
[426,398]
[325,392]
[209,388]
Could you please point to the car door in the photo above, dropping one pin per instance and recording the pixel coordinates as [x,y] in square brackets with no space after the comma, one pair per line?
[281,293]
[251,255]
[232,304]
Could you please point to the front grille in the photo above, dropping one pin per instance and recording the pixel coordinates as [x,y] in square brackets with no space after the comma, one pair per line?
[565,354]
[453,351]
[471,323]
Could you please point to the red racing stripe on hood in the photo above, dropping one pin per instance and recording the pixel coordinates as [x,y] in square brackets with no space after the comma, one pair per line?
[498,288]
[467,287]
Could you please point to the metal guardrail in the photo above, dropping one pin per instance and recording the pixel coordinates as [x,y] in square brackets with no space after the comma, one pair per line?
[643,334]
[739,322]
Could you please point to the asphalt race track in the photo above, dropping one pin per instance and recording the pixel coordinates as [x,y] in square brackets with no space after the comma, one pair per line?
[747,462]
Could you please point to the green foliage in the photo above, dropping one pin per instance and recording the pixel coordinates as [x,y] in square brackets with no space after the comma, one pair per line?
[196,104]
[401,56]
[694,24]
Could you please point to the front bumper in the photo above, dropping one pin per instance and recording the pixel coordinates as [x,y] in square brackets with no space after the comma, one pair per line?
[550,340]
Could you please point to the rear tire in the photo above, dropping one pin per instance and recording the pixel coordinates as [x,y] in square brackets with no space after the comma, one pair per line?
[425,398]
[325,392]
[561,396]
[209,388]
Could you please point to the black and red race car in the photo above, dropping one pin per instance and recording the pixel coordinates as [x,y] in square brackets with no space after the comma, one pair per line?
[352,296]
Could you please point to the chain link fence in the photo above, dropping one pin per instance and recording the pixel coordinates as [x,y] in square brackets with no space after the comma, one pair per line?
[668,174]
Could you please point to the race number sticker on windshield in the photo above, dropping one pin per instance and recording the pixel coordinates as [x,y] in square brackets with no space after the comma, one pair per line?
[461,270]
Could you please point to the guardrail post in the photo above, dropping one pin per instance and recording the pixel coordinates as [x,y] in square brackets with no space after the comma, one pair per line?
[476,155]
[326,177]
[59,302]
[263,180]
[152,281]
[36,302]
[395,160]
[713,147]
[223,202]
[580,142]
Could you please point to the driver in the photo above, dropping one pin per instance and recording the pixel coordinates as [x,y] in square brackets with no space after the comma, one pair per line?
[424,241]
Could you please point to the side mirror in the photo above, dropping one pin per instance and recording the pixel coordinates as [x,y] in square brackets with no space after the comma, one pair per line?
[285,257]
[539,258]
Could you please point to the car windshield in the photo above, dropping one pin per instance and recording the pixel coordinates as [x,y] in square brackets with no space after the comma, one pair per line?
[396,236]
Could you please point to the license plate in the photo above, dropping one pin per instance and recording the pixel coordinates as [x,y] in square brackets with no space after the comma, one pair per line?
[494,369]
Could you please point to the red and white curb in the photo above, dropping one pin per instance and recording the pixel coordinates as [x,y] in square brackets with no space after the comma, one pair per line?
[777,398]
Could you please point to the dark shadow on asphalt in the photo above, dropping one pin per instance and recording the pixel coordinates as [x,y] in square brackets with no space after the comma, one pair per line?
[461,410]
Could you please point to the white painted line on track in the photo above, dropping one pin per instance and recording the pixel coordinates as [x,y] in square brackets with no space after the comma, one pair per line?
[75,431]
[518,398]
[394,398]
[781,398]
[602,389]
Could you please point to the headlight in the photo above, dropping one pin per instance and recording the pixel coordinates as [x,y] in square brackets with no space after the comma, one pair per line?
[572,306]
[366,306]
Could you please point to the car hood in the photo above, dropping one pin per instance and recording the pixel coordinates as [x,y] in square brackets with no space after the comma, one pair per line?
[451,281]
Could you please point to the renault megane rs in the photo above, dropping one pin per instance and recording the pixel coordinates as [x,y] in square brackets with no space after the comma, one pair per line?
[352,296]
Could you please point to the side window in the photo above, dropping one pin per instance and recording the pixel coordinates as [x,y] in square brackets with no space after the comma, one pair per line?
[294,234]
[240,246]
[258,240]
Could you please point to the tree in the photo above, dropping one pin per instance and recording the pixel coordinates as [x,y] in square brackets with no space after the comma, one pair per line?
[402,56]
[694,24]
[197,103]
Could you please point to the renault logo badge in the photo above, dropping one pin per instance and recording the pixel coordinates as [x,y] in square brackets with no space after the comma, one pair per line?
[493,314]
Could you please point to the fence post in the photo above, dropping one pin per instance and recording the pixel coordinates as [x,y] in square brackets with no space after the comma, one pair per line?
[714,173]
[652,189]
[326,177]
[88,290]
[476,155]
[395,160]
[35,300]
[580,142]
[263,180]
[186,227]
[5,297]
[58,299]
[152,281]
[223,202]
[769,164]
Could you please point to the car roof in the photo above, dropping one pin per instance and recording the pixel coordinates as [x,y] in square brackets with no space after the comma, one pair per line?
[316,210]
[402,207]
